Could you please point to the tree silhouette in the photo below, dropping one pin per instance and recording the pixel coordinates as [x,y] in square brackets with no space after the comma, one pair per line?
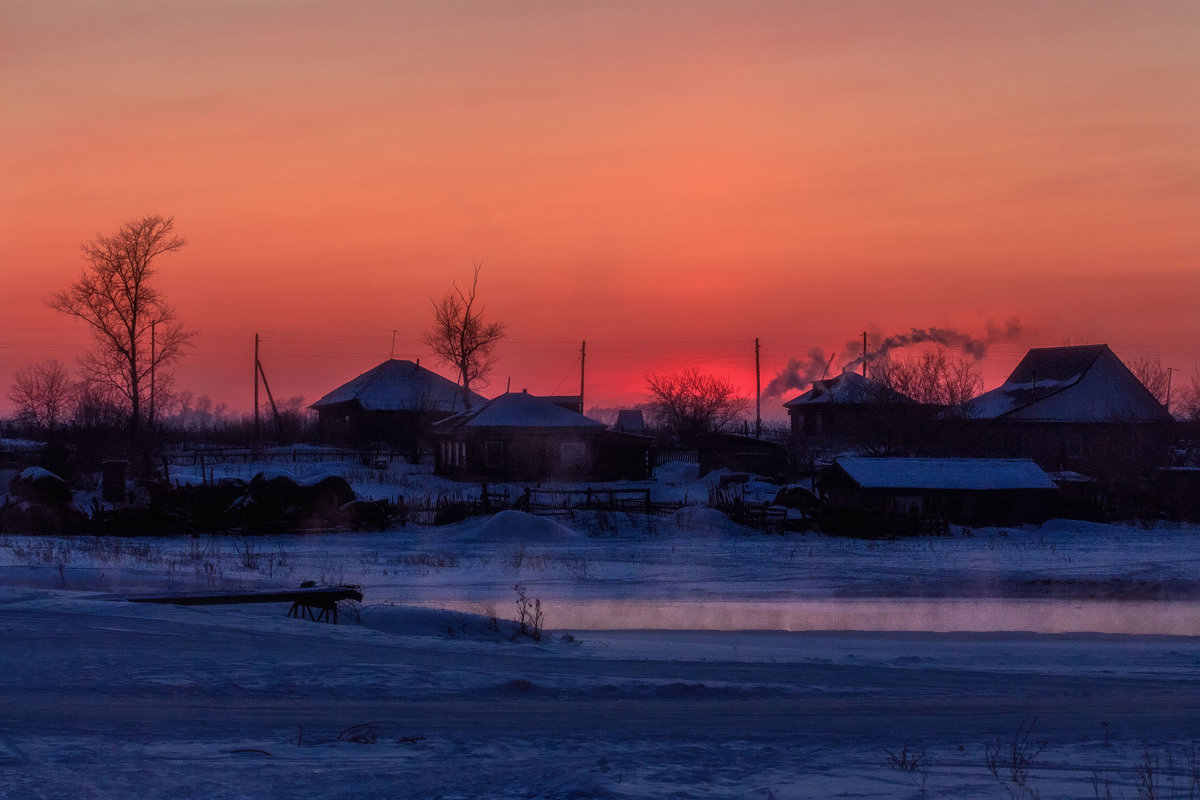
[461,338]
[690,403]
[43,394]
[135,330]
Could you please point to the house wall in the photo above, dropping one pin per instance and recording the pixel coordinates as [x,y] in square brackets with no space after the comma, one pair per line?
[519,453]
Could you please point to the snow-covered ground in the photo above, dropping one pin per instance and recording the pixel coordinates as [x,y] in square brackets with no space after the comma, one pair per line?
[683,657]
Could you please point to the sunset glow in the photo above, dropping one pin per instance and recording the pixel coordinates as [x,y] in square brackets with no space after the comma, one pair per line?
[666,180]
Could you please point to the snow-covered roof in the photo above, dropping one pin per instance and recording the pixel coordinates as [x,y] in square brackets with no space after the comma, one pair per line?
[849,387]
[970,474]
[398,385]
[1068,384]
[519,410]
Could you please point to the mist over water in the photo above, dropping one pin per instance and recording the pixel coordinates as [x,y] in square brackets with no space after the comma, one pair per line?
[930,615]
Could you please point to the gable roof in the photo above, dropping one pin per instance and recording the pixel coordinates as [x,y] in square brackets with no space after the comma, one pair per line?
[398,385]
[1072,383]
[519,410]
[847,388]
[630,420]
[964,474]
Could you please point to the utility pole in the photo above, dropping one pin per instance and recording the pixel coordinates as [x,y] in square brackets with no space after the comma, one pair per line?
[1167,405]
[257,423]
[582,364]
[864,369]
[757,393]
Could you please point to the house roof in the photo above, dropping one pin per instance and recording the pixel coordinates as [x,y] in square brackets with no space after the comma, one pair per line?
[969,474]
[398,385]
[519,410]
[1046,375]
[630,420]
[847,388]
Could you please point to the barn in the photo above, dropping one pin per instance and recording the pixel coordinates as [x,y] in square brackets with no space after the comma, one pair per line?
[919,495]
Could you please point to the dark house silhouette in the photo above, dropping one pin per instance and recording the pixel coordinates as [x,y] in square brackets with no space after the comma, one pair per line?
[915,495]
[395,402]
[519,436]
[1075,408]
[850,410]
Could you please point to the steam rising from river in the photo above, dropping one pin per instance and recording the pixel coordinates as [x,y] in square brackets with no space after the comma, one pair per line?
[931,615]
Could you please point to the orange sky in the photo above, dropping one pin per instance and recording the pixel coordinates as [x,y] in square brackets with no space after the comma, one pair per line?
[668,180]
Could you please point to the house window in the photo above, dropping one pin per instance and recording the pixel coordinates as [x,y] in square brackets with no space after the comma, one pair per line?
[493,455]
[574,455]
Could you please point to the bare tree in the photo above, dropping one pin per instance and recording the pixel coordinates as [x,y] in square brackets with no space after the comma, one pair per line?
[43,394]
[932,378]
[461,338]
[115,295]
[1153,375]
[690,403]
[1189,397]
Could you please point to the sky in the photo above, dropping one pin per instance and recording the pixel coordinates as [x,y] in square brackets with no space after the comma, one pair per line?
[668,181]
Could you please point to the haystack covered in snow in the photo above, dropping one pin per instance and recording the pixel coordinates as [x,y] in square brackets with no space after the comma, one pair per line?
[1071,408]
[519,436]
[393,402]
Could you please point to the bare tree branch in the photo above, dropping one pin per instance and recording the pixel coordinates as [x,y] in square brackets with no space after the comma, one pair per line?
[461,338]
[116,297]
[691,403]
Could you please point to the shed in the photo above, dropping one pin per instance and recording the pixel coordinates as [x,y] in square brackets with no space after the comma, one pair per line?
[914,495]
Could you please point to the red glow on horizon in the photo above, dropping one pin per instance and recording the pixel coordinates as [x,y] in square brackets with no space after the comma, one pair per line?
[668,182]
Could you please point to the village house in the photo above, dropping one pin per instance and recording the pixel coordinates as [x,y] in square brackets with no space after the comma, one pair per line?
[1076,408]
[850,410]
[519,436]
[395,402]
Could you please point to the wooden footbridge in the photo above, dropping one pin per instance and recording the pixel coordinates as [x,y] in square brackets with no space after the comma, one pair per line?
[316,603]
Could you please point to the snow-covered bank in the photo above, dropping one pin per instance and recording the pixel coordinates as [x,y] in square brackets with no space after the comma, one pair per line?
[419,694]
[111,699]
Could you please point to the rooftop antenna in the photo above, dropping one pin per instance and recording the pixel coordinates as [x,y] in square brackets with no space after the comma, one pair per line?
[828,364]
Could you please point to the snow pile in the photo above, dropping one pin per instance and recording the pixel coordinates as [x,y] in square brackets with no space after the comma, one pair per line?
[517,526]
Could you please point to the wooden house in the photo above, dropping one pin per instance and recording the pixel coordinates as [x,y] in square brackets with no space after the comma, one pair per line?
[851,410]
[864,495]
[395,402]
[1073,408]
[519,437]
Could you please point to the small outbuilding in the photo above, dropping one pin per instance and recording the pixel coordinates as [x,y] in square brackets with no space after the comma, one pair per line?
[920,495]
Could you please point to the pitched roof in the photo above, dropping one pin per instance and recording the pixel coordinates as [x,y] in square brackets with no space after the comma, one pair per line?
[971,474]
[847,388]
[398,385]
[519,410]
[630,420]
[1046,372]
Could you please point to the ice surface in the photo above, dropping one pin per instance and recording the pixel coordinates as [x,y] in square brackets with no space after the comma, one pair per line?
[417,694]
